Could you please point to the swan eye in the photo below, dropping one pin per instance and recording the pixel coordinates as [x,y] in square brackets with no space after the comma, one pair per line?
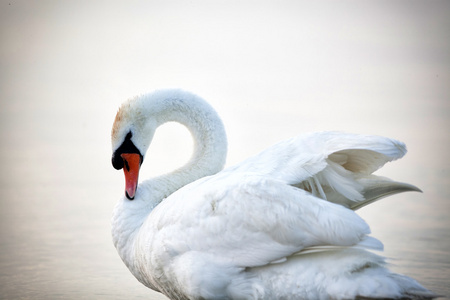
[126,147]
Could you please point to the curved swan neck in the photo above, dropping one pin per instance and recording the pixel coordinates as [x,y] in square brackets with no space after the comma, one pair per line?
[207,130]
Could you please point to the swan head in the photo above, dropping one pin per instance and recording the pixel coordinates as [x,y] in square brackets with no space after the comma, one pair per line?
[131,135]
[137,120]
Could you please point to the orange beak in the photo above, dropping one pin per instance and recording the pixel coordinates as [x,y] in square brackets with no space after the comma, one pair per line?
[132,164]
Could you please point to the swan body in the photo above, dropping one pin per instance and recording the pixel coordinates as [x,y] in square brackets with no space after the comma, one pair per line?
[279,225]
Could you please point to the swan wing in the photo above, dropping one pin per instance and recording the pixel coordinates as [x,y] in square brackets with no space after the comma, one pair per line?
[334,166]
[295,159]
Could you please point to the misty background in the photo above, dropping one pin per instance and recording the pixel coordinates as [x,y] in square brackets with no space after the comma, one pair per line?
[272,70]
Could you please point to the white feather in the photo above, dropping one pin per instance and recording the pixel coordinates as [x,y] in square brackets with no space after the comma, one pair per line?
[279,225]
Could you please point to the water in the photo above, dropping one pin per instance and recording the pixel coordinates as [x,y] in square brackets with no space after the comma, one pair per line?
[271,71]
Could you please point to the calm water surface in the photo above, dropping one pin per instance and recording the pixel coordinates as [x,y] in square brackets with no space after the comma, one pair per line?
[271,72]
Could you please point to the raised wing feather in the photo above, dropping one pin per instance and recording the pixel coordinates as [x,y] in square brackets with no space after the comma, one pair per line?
[331,165]
[296,159]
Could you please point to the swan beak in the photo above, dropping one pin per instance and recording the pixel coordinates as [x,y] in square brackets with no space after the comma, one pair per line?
[131,165]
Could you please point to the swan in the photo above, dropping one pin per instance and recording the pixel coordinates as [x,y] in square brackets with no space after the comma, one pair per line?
[279,225]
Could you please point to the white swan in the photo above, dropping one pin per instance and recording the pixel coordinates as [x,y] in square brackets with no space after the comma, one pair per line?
[263,229]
